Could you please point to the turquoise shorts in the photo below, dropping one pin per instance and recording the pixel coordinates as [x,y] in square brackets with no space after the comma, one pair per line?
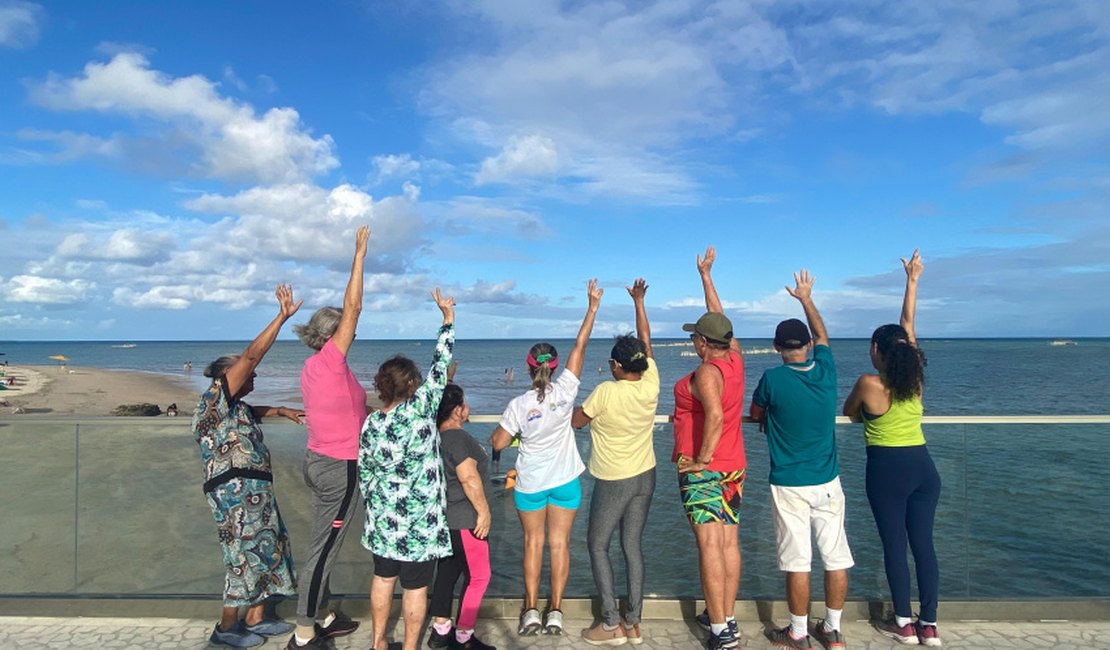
[567,495]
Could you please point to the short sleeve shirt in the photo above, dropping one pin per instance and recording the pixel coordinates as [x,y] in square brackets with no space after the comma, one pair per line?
[800,400]
[334,403]
[548,455]
[456,446]
[622,422]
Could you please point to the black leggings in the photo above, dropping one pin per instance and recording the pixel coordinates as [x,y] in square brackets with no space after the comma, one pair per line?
[903,488]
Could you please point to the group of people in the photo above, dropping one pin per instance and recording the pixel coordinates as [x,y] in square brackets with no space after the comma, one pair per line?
[422,477]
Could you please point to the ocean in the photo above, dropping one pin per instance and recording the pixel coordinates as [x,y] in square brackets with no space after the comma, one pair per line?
[1023,512]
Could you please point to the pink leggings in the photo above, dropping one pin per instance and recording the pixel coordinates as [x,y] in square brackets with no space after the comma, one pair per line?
[471,560]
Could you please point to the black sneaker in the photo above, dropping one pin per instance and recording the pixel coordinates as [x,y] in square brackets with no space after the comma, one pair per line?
[726,639]
[317,643]
[473,643]
[339,627]
[438,641]
[703,619]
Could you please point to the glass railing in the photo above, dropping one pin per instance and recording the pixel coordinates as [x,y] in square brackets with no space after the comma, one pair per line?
[113,507]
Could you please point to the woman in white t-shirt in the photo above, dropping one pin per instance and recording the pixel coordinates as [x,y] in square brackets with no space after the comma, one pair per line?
[547,492]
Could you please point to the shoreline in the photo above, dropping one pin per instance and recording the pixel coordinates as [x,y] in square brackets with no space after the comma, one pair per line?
[82,390]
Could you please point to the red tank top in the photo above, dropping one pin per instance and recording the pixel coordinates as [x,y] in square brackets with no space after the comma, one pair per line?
[689,417]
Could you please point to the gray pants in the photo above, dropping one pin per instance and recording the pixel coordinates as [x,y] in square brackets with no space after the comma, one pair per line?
[334,484]
[621,503]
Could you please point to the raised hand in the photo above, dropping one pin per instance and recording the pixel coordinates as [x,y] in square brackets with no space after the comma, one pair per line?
[803,285]
[594,292]
[361,239]
[638,289]
[446,305]
[284,293]
[705,264]
[914,266]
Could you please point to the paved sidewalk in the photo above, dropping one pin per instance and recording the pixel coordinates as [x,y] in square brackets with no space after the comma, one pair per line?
[19,633]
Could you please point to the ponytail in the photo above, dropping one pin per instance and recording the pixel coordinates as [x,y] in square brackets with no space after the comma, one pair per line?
[541,371]
[903,363]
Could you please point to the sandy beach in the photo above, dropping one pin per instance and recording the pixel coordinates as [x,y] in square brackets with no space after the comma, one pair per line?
[76,390]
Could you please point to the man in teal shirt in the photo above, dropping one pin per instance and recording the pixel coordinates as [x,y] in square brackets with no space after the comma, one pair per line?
[796,404]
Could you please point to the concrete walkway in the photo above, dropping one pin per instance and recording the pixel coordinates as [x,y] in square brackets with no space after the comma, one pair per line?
[19,633]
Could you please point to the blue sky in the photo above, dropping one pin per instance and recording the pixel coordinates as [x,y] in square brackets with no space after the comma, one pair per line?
[164,165]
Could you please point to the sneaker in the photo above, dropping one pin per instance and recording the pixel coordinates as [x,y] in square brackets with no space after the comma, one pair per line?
[317,643]
[553,622]
[438,641]
[270,627]
[927,635]
[726,639]
[904,634]
[237,636]
[632,632]
[473,643]
[598,635]
[530,624]
[783,638]
[831,639]
[340,626]
[703,619]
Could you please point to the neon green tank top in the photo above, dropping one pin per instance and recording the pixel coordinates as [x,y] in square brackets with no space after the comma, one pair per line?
[900,426]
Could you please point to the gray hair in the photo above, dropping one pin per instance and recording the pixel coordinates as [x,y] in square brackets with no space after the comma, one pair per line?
[321,327]
[219,367]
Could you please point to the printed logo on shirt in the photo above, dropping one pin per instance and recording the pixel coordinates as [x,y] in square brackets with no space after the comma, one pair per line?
[533,414]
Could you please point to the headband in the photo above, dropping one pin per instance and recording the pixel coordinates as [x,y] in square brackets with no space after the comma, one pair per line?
[545,359]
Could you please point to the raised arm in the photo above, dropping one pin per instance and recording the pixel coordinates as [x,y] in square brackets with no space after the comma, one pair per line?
[803,291]
[914,267]
[241,370]
[643,329]
[705,270]
[578,352]
[352,298]
[430,391]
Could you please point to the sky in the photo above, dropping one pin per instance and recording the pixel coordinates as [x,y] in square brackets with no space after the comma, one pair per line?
[164,165]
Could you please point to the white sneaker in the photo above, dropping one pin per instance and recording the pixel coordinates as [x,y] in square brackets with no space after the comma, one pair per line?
[529,623]
[553,622]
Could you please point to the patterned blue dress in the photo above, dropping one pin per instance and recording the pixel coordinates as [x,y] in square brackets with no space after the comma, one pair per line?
[239,487]
[400,472]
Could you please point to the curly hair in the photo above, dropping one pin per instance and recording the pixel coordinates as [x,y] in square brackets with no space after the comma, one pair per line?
[903,363]
[397,379]
[319,328]
[630,352]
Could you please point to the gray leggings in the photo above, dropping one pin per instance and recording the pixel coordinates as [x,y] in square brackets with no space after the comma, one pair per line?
[624,503]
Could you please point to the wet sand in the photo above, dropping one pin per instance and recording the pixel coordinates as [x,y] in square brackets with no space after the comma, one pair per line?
[76,390]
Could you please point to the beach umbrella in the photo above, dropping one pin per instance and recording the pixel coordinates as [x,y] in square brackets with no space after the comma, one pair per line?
[60,358]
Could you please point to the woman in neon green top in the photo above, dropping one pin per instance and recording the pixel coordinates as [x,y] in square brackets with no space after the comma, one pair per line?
[903,486]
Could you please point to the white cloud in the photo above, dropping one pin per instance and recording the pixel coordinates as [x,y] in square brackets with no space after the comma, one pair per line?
[46,291]
[394,166]
[231,141]
[20,23]
[124,245]
[155,298]
[523,156]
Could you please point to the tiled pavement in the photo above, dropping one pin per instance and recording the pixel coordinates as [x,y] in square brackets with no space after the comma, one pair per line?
[19,633]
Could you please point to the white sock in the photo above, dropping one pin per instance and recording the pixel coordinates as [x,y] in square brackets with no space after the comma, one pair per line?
[329,620]
[799,626]
[300,640]
[832,619]
[609,628]
[934,623]
[903,621]
[729,619]
[717,628]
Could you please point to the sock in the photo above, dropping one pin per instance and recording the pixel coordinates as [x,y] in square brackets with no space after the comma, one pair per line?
[730,619]
[609,628]
[300,640]
[903,621]
[462,636]
[799,626]
[442,628]
[329,620]
[921,622]
[832,619]
[717,628]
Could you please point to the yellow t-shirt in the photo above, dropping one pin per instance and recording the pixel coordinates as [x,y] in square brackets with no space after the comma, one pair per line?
[623,415]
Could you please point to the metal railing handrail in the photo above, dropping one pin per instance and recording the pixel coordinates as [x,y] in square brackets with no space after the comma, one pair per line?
[659,419]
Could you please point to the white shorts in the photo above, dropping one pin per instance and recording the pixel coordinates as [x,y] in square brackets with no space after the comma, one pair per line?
[816,508]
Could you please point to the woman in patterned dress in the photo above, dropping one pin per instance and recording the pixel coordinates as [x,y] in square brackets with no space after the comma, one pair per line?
[401,477]
[239,487]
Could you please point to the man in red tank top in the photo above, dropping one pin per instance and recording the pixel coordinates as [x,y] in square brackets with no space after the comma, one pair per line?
[709,453]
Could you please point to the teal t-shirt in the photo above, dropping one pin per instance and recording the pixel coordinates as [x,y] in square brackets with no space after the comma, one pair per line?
[800,400]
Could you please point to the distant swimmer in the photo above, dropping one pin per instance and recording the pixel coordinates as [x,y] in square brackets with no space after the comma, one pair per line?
[510,375]
[188,367]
